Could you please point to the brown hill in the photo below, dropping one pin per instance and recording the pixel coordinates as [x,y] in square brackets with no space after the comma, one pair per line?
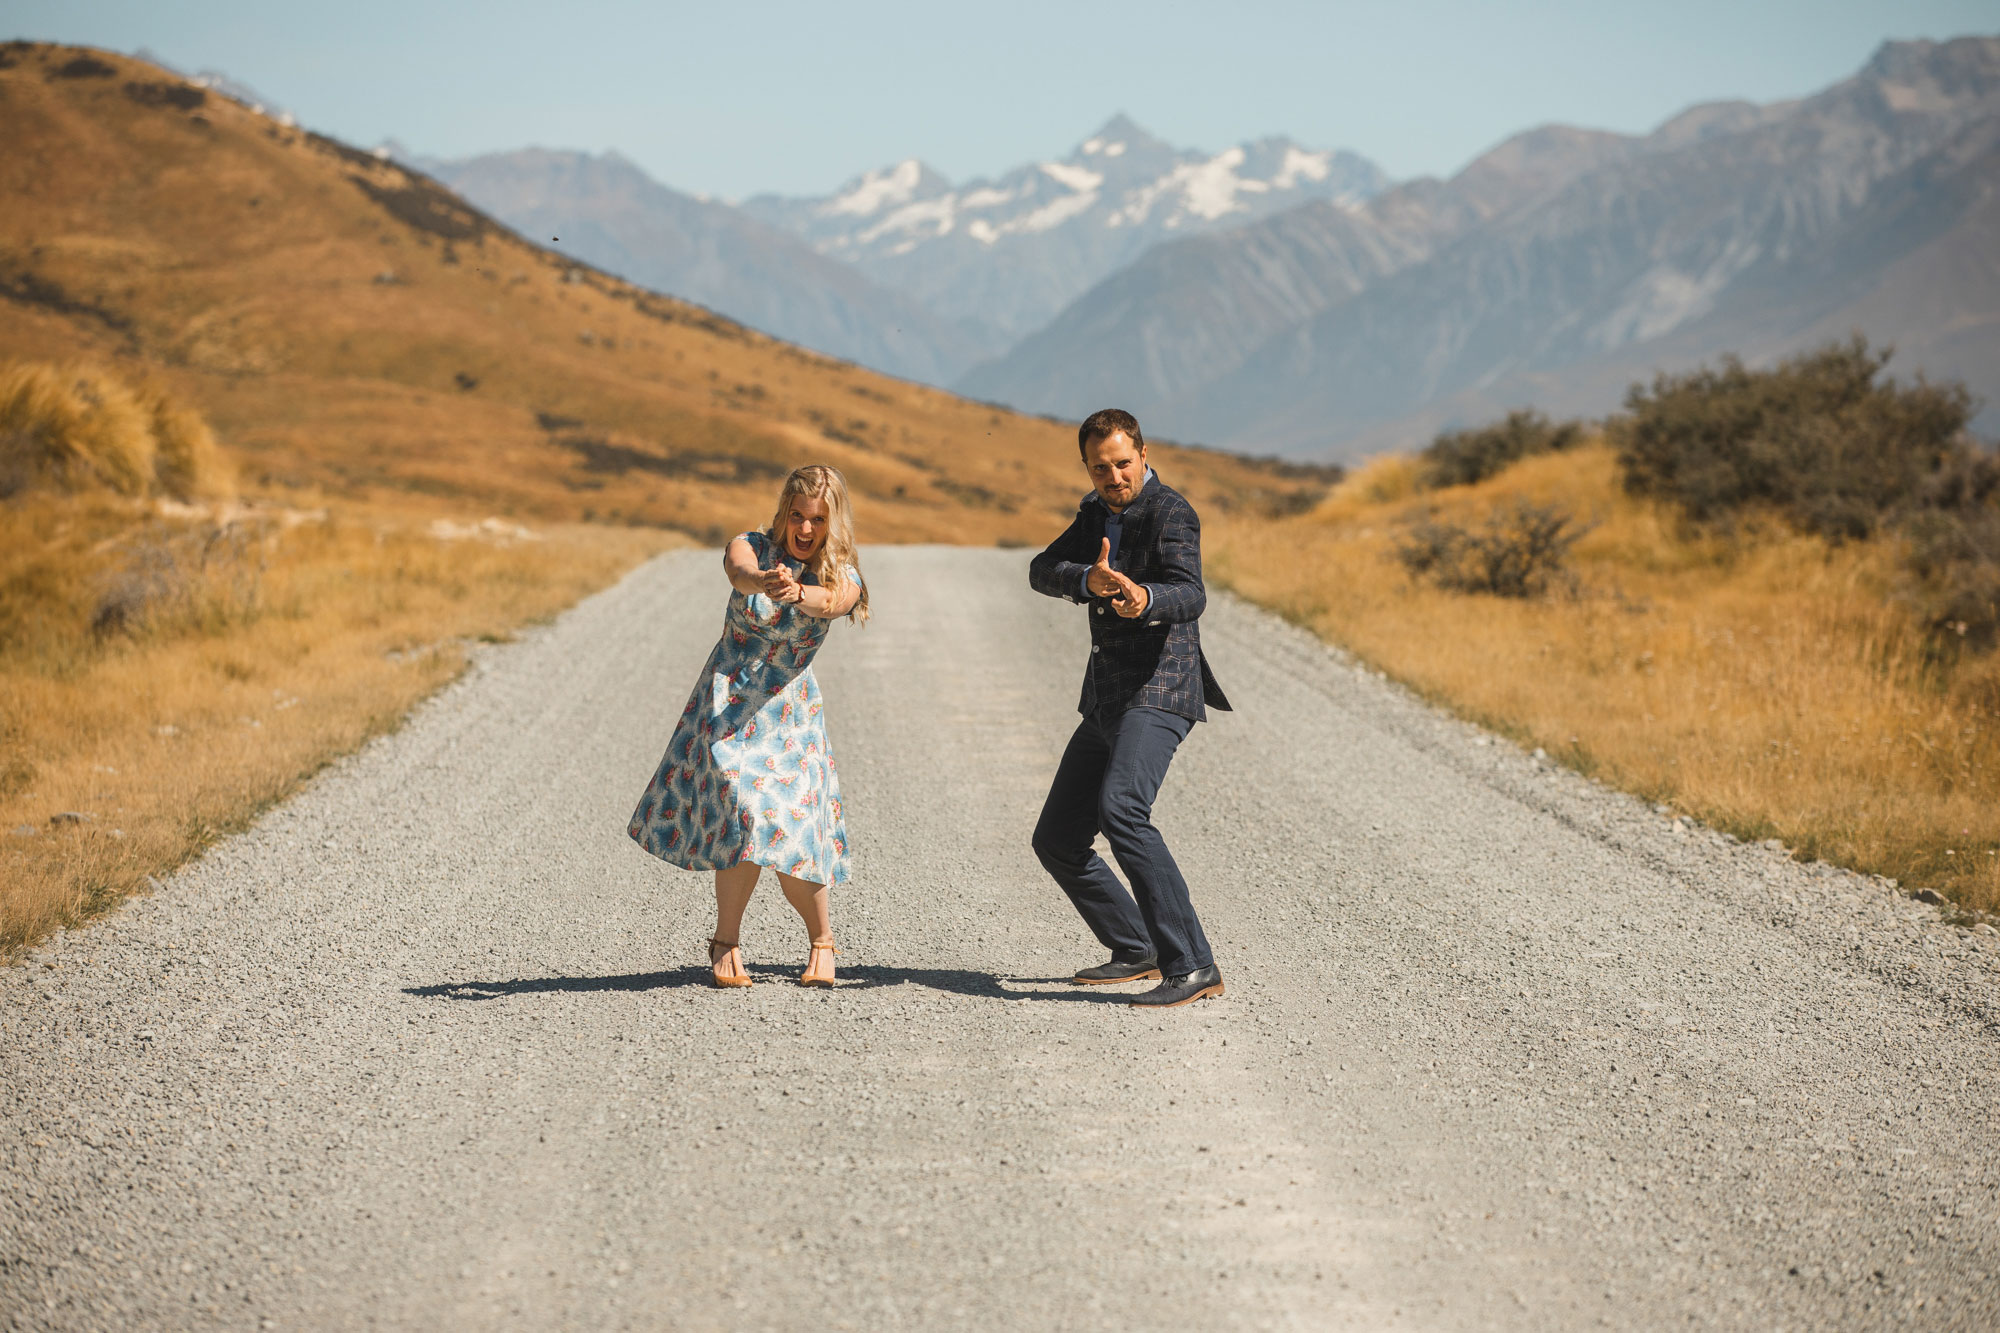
[351,328]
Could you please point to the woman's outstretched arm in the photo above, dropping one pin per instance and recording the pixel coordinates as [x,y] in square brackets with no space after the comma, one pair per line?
[739,562]
[827,603]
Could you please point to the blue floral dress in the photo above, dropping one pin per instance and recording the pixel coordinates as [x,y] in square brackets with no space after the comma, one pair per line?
[749,775]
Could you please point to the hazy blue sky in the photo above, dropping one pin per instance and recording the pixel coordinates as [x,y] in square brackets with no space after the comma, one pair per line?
[735,99]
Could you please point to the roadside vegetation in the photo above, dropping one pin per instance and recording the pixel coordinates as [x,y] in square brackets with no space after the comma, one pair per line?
[1768,599]
[174,659]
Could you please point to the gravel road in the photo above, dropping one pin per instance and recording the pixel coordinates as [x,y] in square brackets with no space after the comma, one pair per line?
[431,1046]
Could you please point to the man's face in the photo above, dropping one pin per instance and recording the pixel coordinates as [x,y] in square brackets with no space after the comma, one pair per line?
[1116,468]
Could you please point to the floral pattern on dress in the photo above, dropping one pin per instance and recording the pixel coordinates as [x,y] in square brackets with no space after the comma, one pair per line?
[749,773]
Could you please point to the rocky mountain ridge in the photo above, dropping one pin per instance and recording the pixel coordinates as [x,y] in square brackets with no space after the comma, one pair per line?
[1562,266]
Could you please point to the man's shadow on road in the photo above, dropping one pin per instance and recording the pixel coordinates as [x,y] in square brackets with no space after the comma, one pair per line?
[956,981]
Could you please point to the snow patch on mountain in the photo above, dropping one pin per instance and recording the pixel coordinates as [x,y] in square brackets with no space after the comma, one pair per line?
[1053,215]
[1300,165]
[1080,179]
[877,190]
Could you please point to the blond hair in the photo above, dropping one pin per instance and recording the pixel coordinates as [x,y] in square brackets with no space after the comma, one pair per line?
[836,554]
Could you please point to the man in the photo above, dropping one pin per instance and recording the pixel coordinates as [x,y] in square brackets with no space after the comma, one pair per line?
[1133,556]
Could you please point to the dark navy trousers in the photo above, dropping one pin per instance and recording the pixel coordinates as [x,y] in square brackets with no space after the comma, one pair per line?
[1107,780]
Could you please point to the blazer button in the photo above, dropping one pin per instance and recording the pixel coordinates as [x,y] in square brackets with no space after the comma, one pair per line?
[1100,610]
[1093,647]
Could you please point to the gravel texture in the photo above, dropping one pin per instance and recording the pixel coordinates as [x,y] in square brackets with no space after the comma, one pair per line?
[431,1046]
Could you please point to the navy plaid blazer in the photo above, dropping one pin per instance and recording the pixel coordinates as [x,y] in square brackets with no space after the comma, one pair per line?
[1153,660]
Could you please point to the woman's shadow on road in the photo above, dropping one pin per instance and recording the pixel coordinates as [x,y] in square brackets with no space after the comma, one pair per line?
[956,981]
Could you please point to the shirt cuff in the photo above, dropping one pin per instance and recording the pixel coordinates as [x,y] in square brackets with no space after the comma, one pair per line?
[1152,601]
[1083,585]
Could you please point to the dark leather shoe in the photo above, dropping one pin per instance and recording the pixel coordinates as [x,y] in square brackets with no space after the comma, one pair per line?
[1184,989]
[1113,972]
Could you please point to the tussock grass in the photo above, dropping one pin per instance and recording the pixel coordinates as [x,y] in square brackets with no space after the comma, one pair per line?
[1769,683]
[76,427]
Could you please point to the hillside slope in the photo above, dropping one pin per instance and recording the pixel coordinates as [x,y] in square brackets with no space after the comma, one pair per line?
[605,211]
[352,328]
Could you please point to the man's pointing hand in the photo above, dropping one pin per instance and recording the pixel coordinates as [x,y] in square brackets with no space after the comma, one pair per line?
[1131,599]
[1103,580]
[1128,599]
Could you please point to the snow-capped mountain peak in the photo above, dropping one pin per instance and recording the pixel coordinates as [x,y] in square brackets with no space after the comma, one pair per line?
[886,188]
[1072,220]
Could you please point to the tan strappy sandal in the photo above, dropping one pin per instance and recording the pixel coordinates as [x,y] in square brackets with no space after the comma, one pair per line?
[806,978]
[723,980]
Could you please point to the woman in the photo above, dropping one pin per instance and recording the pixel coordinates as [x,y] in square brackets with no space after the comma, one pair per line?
[748,780]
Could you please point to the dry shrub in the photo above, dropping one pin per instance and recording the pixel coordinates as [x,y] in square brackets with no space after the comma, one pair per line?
[1466,457]
[1518,552]
[1837,448]
[1824,439]
[84,576]
[1952,575]
[200,580]
[75,428]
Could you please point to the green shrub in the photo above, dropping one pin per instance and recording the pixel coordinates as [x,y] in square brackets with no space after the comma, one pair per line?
[1838,448]
[1952,562]
[1520,551]
[1824,439]
[1462,457]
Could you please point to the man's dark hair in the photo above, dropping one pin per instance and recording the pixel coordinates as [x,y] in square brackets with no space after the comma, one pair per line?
[1109,421]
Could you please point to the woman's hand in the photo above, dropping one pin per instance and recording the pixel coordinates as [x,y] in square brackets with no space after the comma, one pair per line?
[780,585]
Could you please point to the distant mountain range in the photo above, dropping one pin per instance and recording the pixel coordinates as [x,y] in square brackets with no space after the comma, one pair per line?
[1276,298]
[1187,312]
[1011,252]
[1561,267]
[899,269]
[607,212]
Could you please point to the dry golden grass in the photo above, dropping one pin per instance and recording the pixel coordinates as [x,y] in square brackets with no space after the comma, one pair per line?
[252,653]
[1772,686]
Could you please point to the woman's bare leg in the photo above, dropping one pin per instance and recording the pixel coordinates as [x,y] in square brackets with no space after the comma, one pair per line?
[815,908]
[733,888]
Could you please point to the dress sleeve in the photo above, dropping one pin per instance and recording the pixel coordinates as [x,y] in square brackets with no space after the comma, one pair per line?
[852,574]
[760,544]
